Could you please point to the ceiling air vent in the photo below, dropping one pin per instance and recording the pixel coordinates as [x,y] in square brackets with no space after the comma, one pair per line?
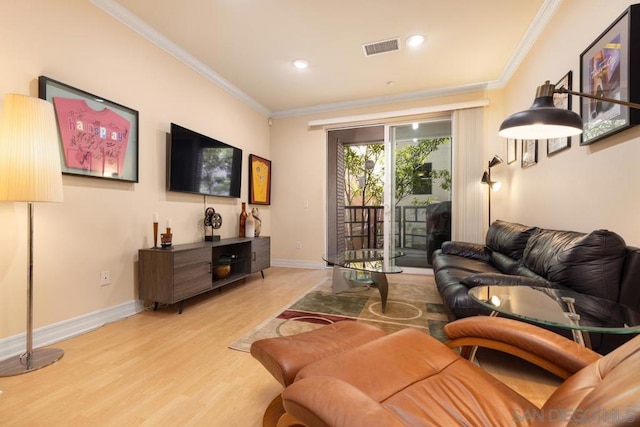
[384,46]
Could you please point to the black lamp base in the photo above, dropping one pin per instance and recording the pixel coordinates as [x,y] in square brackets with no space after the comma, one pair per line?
[40,358]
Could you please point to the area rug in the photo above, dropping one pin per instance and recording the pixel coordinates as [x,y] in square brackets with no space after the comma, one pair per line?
[415,305]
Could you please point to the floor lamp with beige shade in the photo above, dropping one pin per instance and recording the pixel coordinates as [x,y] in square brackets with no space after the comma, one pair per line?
[29,172]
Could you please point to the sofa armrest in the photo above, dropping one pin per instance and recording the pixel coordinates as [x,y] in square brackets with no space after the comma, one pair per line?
[499,279]
[466,250]
[541,347]
[308,401]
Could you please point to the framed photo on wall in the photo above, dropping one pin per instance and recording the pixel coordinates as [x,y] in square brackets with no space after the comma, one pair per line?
[561,100]
[259,180]
[529,152]
[98,137]
[609,68]
[512,152]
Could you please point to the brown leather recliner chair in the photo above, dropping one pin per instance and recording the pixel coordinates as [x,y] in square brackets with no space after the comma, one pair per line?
[409,379]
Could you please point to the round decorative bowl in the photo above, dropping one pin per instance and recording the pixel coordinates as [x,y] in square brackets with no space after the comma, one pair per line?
[221,271]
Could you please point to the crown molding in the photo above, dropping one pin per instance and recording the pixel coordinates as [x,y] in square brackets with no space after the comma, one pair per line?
[540,21]
[368,102]
[120,13]
[130,20]
[398,113]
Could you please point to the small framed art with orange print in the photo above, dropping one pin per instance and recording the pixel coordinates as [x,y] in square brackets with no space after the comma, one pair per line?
[259,180]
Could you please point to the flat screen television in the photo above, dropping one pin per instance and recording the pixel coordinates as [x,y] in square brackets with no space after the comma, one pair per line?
[202,165]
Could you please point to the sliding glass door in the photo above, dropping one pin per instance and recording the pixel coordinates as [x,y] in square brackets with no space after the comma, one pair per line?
[418,190]
[389,187]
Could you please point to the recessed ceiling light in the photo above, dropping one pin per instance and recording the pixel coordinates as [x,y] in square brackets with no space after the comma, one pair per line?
[415,40]
[301,64]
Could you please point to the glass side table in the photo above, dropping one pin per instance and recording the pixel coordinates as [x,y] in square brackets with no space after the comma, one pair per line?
[562,308]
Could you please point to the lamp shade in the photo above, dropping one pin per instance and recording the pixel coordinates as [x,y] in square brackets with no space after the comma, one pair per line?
[29,152]
[486,179]
[495,161]
[543,120]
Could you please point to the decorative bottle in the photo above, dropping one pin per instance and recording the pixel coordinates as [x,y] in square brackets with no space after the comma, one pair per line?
[243,219]
[250,226]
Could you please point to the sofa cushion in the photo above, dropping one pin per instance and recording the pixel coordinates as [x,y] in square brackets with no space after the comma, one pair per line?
[466,250]
[467,265]
[458,303]
[588,263]
[509,238]
[499,279]
[504,263]
[629,289]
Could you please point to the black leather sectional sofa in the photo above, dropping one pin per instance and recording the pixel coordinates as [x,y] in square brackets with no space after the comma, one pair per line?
[599,264]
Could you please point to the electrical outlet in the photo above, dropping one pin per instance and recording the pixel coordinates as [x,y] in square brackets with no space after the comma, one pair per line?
[105,278]
[298,245]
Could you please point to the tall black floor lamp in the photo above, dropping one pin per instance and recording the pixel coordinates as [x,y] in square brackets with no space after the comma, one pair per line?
[493,185]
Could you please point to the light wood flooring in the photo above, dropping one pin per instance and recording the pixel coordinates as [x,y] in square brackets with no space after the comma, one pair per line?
[165,369]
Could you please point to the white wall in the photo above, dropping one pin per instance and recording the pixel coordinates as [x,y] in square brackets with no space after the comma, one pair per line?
[585,187]
[102,223]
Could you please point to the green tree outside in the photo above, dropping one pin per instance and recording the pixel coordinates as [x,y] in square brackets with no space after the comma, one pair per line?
[364,169]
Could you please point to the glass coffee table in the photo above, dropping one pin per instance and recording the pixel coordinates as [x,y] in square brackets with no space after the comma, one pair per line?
[365,267]
[560,308]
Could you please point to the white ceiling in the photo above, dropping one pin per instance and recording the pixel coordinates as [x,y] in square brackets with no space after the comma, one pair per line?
[247,46]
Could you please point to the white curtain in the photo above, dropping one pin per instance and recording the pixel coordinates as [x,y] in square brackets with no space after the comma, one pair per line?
[468,204]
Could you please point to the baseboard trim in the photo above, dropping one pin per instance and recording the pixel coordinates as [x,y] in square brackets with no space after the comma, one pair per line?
[416,270]
[56,332]
[293,263]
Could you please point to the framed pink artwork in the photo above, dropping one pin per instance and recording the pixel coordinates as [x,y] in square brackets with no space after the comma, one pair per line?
[98,137]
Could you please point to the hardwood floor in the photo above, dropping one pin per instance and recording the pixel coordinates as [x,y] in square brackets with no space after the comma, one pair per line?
[165,369]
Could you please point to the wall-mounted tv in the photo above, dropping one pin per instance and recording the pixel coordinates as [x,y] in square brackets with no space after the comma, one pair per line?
[202,165]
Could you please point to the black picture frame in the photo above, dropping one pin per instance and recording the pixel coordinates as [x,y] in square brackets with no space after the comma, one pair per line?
[529,153]
[512,150]
[561,100]
[609,68]
[259,180]
[98,137]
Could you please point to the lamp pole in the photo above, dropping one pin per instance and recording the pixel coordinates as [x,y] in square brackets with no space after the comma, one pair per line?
[490,190]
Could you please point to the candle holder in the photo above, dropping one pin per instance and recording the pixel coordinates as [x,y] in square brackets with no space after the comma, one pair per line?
[165,239]
[155,234]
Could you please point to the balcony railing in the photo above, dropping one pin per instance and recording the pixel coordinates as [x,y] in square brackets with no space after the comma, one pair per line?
[422,228]
[363,227]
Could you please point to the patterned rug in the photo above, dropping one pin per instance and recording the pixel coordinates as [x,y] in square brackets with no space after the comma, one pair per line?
[408,305]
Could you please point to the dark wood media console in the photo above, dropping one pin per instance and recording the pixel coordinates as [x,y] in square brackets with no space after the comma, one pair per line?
[172,275]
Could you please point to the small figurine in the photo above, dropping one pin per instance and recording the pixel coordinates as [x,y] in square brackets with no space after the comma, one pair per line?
[256,215]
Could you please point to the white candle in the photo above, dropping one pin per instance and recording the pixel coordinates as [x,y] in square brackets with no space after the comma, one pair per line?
[168,222]
[155,217]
